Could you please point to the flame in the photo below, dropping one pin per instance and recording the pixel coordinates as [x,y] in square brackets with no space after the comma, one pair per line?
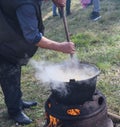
[53,121]
[73,112]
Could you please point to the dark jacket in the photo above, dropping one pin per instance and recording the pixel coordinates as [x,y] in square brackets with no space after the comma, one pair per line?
[13,45]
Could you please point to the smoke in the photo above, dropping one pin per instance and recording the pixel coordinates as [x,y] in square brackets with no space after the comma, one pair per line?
[47,73]
[56,75]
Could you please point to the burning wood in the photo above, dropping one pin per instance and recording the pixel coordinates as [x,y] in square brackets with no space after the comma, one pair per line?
[73,112]
[114,117]
[53,121]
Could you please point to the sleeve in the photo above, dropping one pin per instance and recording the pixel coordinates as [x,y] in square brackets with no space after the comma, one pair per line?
[28,21]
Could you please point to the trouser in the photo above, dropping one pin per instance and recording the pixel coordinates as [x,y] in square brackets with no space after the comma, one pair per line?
[10,76]
[54,9]
[68,3]
[96,4]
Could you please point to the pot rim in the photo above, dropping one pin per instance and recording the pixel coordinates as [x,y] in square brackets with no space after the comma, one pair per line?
[83,80]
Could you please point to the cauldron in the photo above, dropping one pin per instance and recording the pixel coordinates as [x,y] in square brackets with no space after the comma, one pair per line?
[78,92]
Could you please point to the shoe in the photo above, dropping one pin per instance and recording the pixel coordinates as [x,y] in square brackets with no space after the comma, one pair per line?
[28,104]
[21,119]
[95,16]
[67,14]
[55,15]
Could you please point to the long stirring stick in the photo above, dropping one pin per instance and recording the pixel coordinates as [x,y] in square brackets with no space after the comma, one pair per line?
[66,26]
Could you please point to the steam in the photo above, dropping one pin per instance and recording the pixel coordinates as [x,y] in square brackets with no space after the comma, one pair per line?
[51,74]
[57,74]
[47,73]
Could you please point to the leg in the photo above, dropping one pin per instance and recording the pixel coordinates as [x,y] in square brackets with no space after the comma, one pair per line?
[96,4]
[10,82]
[54,10]
[96,9]
[68,5]
[10,76]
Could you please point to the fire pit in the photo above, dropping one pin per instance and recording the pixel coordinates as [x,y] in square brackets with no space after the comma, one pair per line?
[82,105]
[91,114]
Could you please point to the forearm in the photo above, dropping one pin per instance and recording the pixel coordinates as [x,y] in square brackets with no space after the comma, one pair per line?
[65,47]
[48,44]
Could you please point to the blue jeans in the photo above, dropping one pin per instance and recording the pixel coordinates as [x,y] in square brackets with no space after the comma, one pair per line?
[68,5]
[54,10]
[96,4]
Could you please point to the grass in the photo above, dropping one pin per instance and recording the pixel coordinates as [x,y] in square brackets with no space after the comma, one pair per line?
[96,42]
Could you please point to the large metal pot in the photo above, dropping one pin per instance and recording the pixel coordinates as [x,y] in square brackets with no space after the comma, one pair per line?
[78,91]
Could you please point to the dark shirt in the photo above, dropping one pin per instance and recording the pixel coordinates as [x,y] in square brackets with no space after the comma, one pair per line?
[27,18]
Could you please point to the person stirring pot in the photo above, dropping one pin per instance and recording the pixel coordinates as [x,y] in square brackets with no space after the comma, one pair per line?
[17,45]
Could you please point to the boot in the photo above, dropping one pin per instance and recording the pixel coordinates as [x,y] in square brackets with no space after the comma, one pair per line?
[21,118]
[28,104]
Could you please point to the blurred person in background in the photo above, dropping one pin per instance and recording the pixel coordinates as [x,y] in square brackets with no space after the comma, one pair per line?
[56,10]
[21,34]
[68,7]
[95,15]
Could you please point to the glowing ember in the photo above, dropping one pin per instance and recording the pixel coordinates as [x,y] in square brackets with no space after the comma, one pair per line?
[73,112]
[53,121]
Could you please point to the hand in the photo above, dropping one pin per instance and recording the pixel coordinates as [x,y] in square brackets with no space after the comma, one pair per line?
[67,47]
[59,3]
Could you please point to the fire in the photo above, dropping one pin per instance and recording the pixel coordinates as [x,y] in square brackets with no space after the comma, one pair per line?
[73,112]
[53,121]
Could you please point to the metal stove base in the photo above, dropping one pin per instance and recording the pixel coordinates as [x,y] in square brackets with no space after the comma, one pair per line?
[93,113]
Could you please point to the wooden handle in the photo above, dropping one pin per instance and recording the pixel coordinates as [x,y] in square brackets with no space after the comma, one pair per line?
[114,117]
[66,26]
